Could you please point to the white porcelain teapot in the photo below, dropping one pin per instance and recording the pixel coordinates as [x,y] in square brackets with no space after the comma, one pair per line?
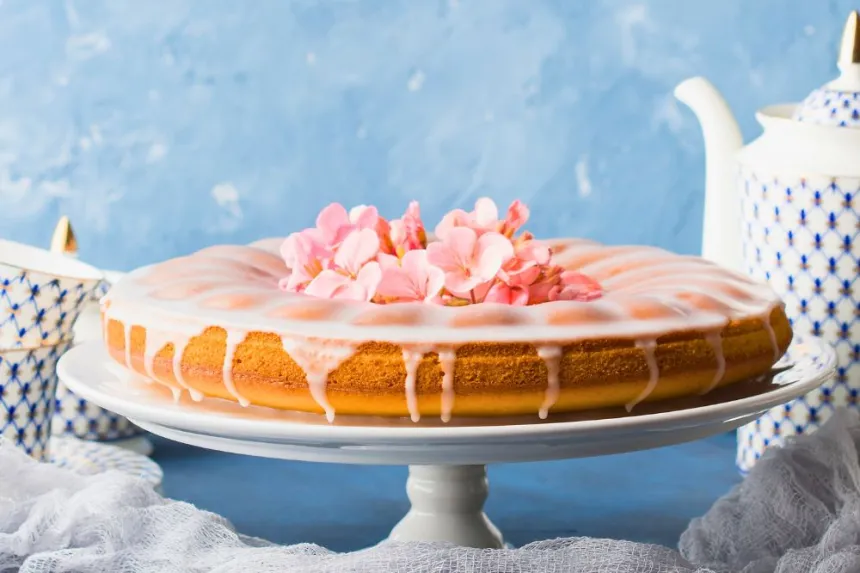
[810,141]
[786,210]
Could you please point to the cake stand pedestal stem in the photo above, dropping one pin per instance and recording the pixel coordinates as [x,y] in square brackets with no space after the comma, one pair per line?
[448,505]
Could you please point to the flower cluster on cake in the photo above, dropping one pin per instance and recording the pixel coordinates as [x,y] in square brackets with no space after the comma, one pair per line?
[474,257]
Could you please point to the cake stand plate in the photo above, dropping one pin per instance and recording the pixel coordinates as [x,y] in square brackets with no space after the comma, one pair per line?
[447,482]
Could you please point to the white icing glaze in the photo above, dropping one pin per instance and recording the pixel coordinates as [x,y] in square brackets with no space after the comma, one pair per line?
[716,342]
[551,355]
[179,344]
[770,332]
[234,339]
[318,358]
[127,342]
[411,360]
[447,358]
[648,347]
[649,292]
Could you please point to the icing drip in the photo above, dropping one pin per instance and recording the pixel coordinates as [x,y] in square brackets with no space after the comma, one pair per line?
[647,346]
[447,358]
[318,358]
[551,355]
[127,331]
[178,349]
[770,332]
[648,293]
[411,359]
[233,341]
[716,342]
[154,342]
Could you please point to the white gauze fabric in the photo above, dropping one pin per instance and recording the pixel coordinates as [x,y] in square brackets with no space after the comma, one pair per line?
[797,512]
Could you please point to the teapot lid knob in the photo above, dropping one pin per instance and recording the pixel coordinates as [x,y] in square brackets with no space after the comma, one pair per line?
[849,52]
[837,104]
[64,240]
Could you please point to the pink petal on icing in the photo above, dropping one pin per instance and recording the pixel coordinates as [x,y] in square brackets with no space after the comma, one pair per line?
[357,248]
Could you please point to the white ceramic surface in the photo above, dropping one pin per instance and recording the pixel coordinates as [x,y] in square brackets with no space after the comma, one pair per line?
[447,503]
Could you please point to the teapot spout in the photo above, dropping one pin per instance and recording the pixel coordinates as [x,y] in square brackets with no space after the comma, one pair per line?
[721,231]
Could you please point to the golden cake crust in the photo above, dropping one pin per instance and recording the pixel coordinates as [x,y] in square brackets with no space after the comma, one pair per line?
[489,378]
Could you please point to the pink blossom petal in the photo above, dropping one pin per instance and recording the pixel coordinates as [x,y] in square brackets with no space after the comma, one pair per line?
[493,250]
[462,242]
[486,213]
[364,217]
[357,248]
[503,294]
[387,261]
[327,284]
[369,278]
[352,291]
[330,220]
[516,217]
[460,282]
[397,283]
[451,220]
[435,282]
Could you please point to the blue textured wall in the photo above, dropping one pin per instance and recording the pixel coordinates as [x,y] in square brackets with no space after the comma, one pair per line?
[161,126]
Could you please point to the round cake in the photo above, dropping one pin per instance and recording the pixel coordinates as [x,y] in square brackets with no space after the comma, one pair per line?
[238,323]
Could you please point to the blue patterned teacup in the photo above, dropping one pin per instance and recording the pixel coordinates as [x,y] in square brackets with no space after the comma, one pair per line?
[75,416]
[41,295]
[28,383]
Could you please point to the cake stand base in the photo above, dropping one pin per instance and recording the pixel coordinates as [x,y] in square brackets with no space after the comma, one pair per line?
[448,505]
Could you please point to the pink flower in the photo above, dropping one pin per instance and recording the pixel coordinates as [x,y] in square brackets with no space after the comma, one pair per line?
[414,279]
[576,286]
[305,256]
[505,294]
[334,223]
[407,233]
[524,268]
[355,274]
[451,220]
[485,218]
[517,216]
[467,259]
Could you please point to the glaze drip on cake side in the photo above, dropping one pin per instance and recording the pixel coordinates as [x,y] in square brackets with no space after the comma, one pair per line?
[648,293]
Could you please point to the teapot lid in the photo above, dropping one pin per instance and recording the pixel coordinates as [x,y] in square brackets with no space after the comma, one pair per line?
[838,102]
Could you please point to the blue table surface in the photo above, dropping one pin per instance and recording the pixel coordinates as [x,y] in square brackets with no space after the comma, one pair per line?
[645,496]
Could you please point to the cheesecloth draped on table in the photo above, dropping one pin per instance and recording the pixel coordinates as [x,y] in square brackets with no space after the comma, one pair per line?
[797,512]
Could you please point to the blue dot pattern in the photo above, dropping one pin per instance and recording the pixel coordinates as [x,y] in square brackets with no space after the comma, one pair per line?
[38,309]
[802,236]
[28,381]
[74,416]
[830,107]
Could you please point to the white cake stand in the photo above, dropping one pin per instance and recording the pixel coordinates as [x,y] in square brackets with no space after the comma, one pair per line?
[447,482]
